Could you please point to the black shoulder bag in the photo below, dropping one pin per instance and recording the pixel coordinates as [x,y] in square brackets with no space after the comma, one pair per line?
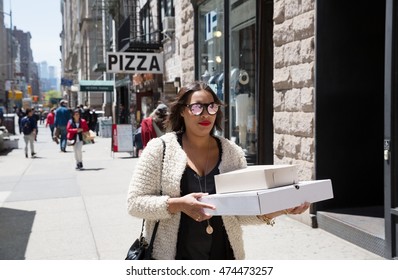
[141,250]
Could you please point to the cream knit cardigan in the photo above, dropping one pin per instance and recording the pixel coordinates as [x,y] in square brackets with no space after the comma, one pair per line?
[145,202]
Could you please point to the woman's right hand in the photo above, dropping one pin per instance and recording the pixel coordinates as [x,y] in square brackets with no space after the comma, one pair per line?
[191,206]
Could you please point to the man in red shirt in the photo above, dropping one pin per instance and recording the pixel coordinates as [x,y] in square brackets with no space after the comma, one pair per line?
[50,121]
[154,125]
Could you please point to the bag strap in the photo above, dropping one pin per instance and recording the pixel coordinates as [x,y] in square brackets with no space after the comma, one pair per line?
[148,252]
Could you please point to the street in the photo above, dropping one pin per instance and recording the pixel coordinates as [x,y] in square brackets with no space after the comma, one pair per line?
[50,211]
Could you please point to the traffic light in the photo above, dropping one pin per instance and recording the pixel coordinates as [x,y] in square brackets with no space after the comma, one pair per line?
[29,89]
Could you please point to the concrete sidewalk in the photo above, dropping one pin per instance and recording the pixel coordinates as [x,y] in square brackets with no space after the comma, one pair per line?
[50,211]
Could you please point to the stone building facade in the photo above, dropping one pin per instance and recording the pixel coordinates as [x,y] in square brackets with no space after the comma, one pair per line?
[294,59]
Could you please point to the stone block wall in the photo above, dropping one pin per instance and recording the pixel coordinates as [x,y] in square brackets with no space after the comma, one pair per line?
[294,58]
[180,49]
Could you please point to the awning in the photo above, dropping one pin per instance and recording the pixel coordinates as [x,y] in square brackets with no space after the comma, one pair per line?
[96,85]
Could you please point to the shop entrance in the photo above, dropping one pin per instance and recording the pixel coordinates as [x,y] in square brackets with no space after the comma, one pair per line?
[122,106]
[350,48]
[391,131]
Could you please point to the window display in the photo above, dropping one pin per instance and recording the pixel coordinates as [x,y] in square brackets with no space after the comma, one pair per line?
[211,48]
[242,75]
[241,46]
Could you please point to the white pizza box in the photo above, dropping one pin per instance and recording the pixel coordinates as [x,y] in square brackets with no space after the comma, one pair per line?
[256,177]
[269,200]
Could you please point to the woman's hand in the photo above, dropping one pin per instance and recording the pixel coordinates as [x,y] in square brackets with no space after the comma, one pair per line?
[191,206]
[299,209]
[294,210]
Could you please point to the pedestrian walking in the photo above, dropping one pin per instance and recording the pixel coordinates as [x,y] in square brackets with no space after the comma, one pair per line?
[62,116]
[123,114]
[93,121]
[29,128]
[193,155]
[154,125]
[75,129]
[36,116]
[50,121]
[1,116]
[20,113]
[85,113]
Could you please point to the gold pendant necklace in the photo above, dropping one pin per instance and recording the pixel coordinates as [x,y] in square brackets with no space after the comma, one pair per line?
[209,228]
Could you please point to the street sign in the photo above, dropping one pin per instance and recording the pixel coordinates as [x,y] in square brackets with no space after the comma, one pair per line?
[66,82]
[96,85]
[122,138]
[125,62]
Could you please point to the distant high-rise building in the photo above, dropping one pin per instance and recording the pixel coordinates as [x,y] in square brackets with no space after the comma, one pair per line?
[51,72]
[52,77]
[43,70]
[48,77]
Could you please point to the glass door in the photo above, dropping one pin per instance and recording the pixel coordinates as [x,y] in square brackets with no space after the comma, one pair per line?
[391,131]
[242,72]
[227,62]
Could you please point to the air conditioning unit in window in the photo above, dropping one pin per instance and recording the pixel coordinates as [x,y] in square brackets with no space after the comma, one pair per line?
[168,24]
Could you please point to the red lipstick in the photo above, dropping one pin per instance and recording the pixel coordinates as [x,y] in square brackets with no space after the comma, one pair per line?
[205,123]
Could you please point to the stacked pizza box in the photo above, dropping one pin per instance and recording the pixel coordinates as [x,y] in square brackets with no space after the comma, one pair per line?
[262,189]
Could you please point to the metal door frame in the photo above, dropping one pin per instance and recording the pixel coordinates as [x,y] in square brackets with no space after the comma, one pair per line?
[391,130]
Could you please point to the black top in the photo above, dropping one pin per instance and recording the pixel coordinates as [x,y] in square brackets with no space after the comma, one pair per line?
[193,242]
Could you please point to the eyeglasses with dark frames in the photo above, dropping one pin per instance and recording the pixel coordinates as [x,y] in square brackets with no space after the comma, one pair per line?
[197,108]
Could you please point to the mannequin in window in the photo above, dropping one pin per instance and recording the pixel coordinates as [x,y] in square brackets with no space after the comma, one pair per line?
[244,103]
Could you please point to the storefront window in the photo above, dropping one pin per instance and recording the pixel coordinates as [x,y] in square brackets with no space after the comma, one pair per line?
[211,46]
[242,49]
[241,43]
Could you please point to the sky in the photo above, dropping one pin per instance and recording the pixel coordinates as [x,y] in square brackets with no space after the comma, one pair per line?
[43,19]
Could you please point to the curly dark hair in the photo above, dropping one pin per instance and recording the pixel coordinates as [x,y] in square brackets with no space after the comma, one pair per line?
[176,121]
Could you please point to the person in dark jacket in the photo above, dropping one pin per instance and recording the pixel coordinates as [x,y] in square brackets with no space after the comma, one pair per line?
[93,120]
[20,113]
[62,116]
[123,115]
[36,116]
[29,128]
[1,116]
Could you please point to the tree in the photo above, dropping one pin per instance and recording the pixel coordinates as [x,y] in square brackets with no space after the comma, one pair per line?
[52,97]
